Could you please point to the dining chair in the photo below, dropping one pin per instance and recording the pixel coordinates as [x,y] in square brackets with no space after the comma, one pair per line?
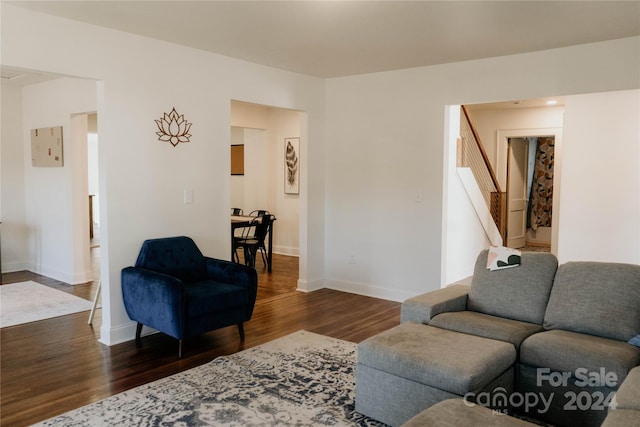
[253,241]
[249,232]
[236,211]
[259,212]
[262,248]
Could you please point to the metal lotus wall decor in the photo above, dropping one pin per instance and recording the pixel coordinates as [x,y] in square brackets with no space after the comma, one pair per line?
[173,127]
[292,166]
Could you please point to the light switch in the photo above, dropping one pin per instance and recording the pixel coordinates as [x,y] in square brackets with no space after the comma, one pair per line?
[188,196]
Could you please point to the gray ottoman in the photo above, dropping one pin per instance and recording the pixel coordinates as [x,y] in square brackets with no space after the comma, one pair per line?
[407,369]
[458,413]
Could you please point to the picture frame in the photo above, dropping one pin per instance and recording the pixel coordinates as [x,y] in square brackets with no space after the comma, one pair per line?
[237,159]
[292,165]
[46,147]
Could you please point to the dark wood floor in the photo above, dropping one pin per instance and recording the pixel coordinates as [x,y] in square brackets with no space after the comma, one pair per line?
[53,366]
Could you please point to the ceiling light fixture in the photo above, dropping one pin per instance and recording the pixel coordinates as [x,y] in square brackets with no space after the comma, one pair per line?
[552,102]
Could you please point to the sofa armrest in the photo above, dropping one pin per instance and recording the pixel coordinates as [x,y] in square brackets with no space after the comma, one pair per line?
[422,308]
[154,299]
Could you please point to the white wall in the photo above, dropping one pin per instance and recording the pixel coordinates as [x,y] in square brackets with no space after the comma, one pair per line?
[251,190]
[285,124]
[601,178]
[385,144]
[142,180]
[94,179]
[12,188]
[237,181]
[57,197]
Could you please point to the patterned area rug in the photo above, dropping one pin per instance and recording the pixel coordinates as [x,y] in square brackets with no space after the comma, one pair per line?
[302,379]
[30,301]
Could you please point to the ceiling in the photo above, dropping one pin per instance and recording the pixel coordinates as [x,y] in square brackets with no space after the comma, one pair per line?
[339,38]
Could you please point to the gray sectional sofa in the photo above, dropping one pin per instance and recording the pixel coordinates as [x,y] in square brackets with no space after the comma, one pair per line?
[569,326]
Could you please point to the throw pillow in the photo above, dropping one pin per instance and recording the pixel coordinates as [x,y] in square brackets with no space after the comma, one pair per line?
[501,257]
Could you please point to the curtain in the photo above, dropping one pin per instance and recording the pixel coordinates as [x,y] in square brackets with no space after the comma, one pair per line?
[540,199]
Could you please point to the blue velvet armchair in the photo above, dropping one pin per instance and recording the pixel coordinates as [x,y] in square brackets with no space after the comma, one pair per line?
[176,290]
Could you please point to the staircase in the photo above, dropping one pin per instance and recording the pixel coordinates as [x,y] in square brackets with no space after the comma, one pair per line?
[480,182]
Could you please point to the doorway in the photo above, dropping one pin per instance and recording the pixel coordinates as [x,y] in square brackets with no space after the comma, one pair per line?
[84,130]
[259,132]
[94,194]
[530,171]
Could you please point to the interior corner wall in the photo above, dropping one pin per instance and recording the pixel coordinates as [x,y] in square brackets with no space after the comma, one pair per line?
[12,186]
[285,124]
[600,212]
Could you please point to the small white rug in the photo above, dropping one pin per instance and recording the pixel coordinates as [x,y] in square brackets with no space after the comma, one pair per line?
[30,301]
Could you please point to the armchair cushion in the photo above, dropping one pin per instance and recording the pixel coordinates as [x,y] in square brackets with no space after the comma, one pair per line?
[519,293]
[205,296]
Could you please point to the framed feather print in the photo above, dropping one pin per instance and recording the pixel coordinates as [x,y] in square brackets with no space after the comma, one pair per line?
[292,166]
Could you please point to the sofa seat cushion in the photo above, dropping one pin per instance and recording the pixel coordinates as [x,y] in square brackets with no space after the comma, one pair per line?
[622,418]
[484,325]
[518,293]
[628,395]
[207,296]
[447,360]
[596,298]
[457,412]
[566,351]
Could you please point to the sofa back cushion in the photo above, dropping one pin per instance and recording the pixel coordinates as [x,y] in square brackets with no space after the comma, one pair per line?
[596,298]
[174,256]
[518,293]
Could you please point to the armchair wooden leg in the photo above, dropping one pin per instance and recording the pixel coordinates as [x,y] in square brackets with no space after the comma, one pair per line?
[241,330]
[138,332]
[179,349]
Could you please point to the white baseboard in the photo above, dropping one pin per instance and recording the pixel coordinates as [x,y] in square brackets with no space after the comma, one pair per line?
[286,250]
[310,285]
[72,279]
[10,267]
[122,333]
[368,290]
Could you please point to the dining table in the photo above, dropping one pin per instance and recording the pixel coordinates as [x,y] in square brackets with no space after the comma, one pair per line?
[241,221]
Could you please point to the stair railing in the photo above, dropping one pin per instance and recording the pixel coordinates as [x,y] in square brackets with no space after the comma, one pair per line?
[471,154]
